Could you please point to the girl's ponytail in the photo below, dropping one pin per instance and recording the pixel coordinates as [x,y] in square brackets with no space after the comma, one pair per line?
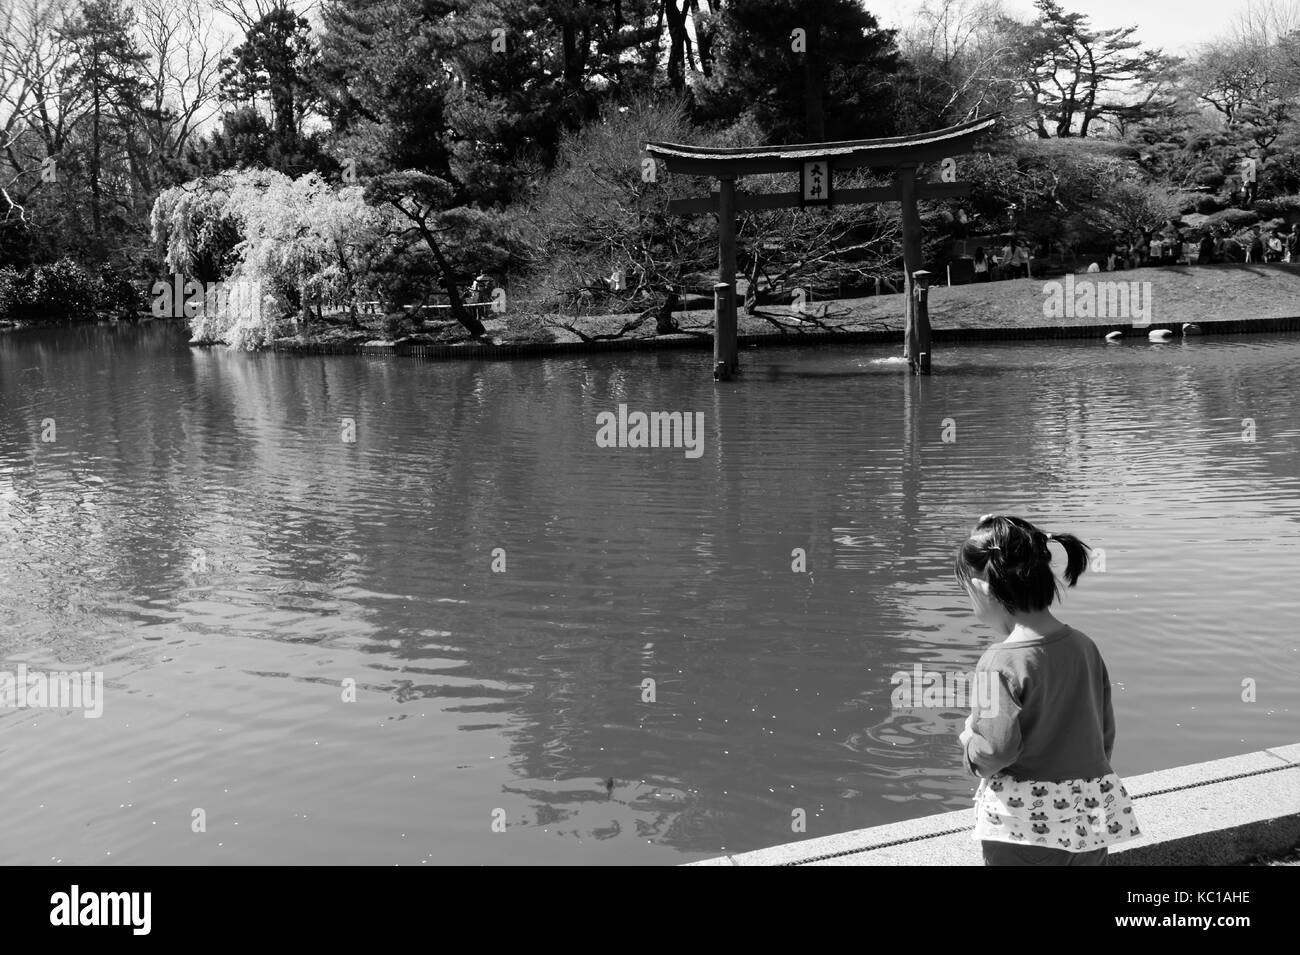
[1076,556]
[1013,556]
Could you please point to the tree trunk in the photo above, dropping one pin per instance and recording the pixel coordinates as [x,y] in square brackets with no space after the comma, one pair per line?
[459,312]
[751,290]
[664,324]
[572,61]
[677,49]
[814,113]
[94,166]
[703,38]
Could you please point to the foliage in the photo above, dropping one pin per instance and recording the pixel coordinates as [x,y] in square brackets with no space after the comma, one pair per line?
[839,84]
[271,62]
[594,213]
[397,325]
[395,148]
[302,244]
[1060,192]
[62,291]
[15,288]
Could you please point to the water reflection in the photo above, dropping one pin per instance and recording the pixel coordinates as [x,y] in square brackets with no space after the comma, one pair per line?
[201,530]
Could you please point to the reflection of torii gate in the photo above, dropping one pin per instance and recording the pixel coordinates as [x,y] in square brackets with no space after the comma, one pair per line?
[817,164]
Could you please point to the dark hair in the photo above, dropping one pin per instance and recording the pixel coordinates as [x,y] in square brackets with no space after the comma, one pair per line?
[1018,561]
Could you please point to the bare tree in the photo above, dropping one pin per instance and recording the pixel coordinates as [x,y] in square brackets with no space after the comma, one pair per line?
[39,101]
[246,13]
[962,52]
[184,74]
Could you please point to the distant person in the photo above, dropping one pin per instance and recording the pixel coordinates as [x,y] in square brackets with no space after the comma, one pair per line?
[1155,249]
[961,226]
[1094,267]
[1019,259]
[1275,248]
[1292,244]
[1249,180]
[481,290]
[1255,247]
[1205,251]
[1173,239]
[981,265]
[1040,737]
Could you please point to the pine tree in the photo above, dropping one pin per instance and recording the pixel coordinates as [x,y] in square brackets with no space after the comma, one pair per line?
[109,65]
[809,70]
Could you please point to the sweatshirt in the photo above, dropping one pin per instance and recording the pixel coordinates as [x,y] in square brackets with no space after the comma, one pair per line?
[1053,717]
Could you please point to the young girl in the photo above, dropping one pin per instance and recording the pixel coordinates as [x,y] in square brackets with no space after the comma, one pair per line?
[1040,740]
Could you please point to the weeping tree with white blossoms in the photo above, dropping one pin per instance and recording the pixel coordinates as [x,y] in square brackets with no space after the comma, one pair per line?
[304,246]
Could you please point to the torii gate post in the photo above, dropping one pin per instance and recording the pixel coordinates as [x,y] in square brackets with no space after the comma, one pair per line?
[726,358]
[916,321]
[817,164]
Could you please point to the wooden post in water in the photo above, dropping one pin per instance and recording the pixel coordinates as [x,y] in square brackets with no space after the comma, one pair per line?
[921,280]
[722,369]
[725,350]
[913,333]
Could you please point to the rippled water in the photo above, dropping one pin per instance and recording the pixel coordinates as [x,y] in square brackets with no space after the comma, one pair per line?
[199,531]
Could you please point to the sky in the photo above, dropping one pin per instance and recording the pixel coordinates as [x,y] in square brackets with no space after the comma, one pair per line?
[1176,26]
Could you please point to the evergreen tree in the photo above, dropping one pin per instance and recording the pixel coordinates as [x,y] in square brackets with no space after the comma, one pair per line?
[809,70]
[271,63]
[108,65]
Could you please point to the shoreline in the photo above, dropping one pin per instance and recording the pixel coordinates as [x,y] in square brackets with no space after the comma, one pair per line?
[1012,310]
[1229,811]
[508,351]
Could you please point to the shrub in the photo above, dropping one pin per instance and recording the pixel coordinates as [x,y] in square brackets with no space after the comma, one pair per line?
[1280,174]
[1233,218]
[62,290]
[116,294]
[15,292]
[1209,204]
[1279,207]
[397,325]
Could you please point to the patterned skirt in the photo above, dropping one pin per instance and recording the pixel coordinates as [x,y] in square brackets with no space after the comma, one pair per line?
[1077,815]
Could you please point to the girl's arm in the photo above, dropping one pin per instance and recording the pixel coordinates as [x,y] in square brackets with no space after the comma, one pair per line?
[1108,713]
[992,740]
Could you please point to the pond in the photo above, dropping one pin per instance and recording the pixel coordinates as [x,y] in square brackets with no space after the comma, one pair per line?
[356,610]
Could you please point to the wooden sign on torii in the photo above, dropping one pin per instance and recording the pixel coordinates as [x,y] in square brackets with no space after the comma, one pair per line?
[817,164]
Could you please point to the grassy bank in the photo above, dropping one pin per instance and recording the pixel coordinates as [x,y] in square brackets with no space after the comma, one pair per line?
[1178,294]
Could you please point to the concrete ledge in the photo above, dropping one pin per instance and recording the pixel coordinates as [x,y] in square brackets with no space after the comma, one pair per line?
[800,340]
[1222,812]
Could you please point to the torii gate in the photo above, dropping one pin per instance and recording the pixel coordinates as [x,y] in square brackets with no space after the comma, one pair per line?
[817,164]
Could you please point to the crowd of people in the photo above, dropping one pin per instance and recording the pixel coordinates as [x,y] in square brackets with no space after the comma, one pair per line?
[1168,246]
[1010,261]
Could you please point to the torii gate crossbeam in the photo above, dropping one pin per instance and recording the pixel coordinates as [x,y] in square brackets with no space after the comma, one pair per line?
[817,164]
